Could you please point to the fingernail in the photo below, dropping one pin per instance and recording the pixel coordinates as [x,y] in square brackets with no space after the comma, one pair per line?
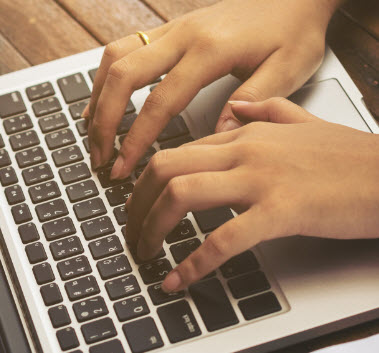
[172,282]
[238,102]
[85,113]
[117,168]
[230,124]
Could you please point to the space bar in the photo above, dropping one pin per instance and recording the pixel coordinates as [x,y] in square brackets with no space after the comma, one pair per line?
[213,304]
[12,335]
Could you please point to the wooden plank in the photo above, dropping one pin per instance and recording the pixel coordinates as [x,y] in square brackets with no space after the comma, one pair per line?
[169,9]
[365,13]
[358,52]
[10,58]
[108,20]
[41,30]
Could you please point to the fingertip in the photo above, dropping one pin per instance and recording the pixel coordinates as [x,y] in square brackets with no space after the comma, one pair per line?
[85,114]
[172,282]
[119,169]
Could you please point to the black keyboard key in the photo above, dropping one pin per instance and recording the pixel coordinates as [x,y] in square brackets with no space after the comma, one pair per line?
[89,209]
[213,304]
[138,261]
[21,213]
[59,228]
[178,321]
[59,316]
[67,338]
[130,108]
[82,127]
[147,156]
[28,233]
[126,123]
[51,210]
[113,346]
[98,330]
[43,273]
[17,124]
[86,144]
[14,194]
[155,271]
[35,252]
[76,109]
[37,174]
[67,156]
[67,247]
[259,305]
[42,90]
[44,192]
[59,139]
[30,157]
[81,191]
[90,309]
[106,182]
[11,104]
[8,176]
[121,215]
[74,88]
[82,288]
[114,266]
[2,144]
[159,297]
[51,294]
[237,265]
[176,127]
[209,220]
[248,284]
[4,158]
[142,335]
[176,142]
[131,308]
[92,74]
[24,140]
[104,247]
[183,230]
[73,173]
[122,287]
[97,227]
[53,122]
[119,194]
[74,267]
[46,106]
[181,250]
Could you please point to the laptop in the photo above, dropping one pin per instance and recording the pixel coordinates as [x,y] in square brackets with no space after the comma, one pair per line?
[76,285]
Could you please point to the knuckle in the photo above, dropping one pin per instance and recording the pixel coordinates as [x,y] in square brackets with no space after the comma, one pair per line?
[250,94]
[157,162]
[155,100]
[112,50]
[120,69]
[176,189]
[217,246]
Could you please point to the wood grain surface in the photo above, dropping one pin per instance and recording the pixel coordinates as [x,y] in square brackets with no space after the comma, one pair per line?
[36,31]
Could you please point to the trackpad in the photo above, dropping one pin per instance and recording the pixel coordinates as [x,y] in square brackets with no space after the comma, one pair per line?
[327,100]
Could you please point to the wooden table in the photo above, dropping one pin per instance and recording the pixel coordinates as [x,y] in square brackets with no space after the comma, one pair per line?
[36,31]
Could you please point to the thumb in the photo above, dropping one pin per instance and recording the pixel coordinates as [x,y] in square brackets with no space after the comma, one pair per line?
[273,110]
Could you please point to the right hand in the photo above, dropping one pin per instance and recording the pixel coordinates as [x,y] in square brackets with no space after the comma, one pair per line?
[274,46]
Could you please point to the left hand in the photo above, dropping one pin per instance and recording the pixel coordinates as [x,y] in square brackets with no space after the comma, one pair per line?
[292,173]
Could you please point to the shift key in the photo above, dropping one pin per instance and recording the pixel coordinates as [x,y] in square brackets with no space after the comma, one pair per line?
[213,304]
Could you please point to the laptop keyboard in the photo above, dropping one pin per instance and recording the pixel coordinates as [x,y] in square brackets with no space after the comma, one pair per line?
[91,241]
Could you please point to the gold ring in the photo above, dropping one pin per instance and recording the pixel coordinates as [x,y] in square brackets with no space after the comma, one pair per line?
[144,37]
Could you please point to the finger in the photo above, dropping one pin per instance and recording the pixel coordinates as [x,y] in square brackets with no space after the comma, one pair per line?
[273,110]
[215,139]
[278,76]
[124,77]
[168,99]
[194,192]
[164,166]
[113,52]
[230,239]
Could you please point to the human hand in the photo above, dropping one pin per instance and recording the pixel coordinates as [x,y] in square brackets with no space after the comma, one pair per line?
[274,45]
[286,173]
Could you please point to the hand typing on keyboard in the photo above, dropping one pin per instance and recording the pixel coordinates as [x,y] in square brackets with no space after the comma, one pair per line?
[282,174]
[274,46]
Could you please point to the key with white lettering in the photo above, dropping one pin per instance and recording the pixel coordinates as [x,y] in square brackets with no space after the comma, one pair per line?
[98,227]
[131,308]
[74,88]
[81,191]
[90,309]
[74,267]
[82,288]
[51,210]
[122,287]
[99,330]
[89,209]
